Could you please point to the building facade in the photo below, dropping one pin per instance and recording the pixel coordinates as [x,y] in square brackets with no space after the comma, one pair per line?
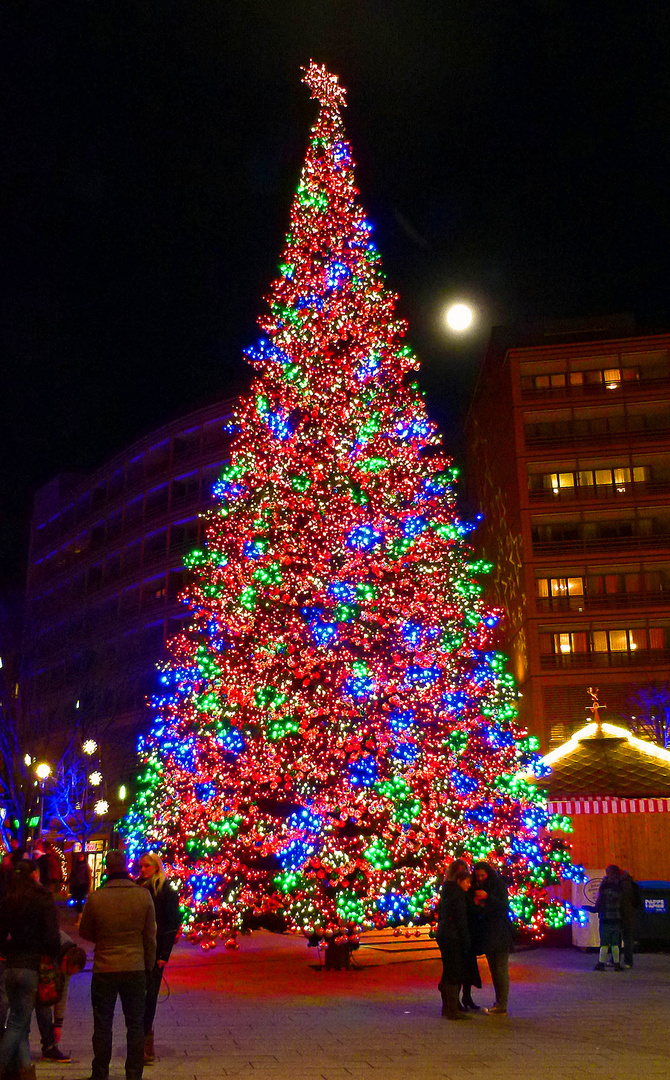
[105,573]
[568,459]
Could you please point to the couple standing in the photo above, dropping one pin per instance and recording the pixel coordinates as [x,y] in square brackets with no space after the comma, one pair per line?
[473,920]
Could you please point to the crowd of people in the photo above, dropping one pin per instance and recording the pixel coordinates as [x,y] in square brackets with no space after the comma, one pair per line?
[133,925]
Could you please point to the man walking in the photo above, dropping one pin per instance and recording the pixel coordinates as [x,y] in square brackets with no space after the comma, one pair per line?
[119,919]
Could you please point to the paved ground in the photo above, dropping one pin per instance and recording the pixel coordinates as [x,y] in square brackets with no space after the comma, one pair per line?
[264,1012]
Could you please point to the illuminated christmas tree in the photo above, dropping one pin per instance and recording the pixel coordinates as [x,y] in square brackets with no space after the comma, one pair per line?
[336,723]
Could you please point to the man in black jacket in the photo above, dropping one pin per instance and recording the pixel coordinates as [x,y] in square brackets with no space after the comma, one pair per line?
[493,930]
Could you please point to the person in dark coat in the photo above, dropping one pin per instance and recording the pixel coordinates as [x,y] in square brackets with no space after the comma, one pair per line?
[79,881]
[608,909]
[453,938]
[631,902]
[28,931]
[493,931]
[168,921]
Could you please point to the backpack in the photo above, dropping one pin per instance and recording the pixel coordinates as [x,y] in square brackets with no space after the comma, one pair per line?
[50,982]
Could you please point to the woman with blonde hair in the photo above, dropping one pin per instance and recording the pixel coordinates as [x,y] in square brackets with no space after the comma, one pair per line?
[168,920]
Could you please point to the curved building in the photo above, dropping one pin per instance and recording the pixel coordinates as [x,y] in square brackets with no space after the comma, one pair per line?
[105,571]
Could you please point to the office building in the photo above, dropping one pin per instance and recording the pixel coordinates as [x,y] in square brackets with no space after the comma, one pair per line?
[568,459]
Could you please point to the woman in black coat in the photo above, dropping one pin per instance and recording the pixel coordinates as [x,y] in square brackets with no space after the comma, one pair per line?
[453,937]
[493,929]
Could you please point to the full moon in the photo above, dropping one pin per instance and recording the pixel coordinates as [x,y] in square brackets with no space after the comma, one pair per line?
[459,317]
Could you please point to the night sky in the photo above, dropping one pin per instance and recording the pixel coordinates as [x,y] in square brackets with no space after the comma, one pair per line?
[515,154]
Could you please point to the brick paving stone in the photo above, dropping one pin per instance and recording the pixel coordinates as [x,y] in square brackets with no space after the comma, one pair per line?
[264,1014]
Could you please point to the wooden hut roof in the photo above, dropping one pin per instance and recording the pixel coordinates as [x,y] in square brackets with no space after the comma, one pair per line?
[604,759]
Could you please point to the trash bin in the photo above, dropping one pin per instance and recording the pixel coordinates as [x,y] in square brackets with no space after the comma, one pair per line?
[653,922]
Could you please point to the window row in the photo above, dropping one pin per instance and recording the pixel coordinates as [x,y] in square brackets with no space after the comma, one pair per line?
[589,478]
[634,582]
[611,378]
[603,641]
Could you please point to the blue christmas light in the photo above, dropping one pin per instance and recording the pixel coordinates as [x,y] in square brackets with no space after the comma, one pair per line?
[253,549]
[406,752]
[413,429]
[394,906]
[413,526]
[368,367]
[305,819]
[420,676]
[341,153]
[365,538]
[205,792]
[295,855]
[462,784]
[401,719]
[363,771]
[411,633]
[280,424]
[337,273]
[265,350]
[232,742]
[342,591]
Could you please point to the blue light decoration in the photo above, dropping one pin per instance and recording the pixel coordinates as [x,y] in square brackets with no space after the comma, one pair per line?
[204,793]
[363,771]
[265,350]
[324,633]
[342,591]
[411,634]
[342,153]
[203,886]
[295,855]
[307,820]
[410,430]
[368,367]
[405,752]
[498,739]
[280,423]
[231,742]
[413,527]
[462,784]
[254,549]
[394,906]
[479,815]
[361,684]
[311,301]
[337,273]
[225,490]
[422,676]
[401,719]
[365,538]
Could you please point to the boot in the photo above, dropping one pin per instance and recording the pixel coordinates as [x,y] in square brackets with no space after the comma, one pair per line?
[450,1002]
[149,1053]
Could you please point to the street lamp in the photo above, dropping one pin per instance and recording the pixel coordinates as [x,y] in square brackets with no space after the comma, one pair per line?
[43,772]
[90,747]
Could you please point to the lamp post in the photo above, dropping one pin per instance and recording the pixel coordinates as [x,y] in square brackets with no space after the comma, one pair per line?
[43,772]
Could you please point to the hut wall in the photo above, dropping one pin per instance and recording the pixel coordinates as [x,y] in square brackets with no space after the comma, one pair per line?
[638,842]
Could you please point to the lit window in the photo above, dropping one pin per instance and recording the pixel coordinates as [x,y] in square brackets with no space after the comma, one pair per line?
[612,378]
[541,382]
[618,640]
[575,586]
[542,587]
[576,378]
[566,480]
[600,641]
[586,477]
[621,478]
[640,474]
[564,643]
[557,380]
[603,476]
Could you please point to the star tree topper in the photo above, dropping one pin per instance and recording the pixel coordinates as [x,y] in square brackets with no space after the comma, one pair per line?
[324,86]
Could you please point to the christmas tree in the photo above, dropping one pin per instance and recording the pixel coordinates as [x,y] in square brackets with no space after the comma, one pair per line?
[336,723]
